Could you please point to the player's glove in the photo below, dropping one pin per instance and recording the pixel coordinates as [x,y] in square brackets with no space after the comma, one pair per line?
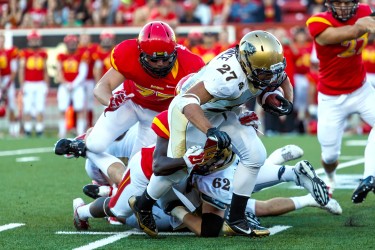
[117,100]
[249,118]
[223,140]
[285,109]
[193,156]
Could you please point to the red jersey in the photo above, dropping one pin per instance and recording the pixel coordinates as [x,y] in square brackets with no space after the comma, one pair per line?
[302,59]
[104,57]
[6,56]
[207,54]
[290,64]
[35,64]
[337,61]
[90,50]
[368,57]
[161,128]
[149,92]
[70,64]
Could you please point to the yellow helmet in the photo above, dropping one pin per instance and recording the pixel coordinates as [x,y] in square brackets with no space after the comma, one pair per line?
[262,59]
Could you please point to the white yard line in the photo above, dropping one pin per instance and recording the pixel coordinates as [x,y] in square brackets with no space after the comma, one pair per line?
[343,165]
[115,236]
[26,151]
[10,226]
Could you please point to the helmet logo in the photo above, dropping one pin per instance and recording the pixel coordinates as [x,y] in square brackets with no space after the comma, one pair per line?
[248,47]
[277,68]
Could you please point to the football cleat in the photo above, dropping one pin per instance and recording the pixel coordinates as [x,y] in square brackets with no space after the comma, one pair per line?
[91,190]
[284,154]
[145,219]
[79,224]
[243,228]
[333,207]
[70,147]
[258,230]
[306,177]
[366,185]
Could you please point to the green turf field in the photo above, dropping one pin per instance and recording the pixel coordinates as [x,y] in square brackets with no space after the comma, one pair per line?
[38,188]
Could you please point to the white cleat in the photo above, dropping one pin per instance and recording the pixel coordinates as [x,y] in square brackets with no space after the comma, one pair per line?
[333,207]
[79,224]
[284,154]
[307,178]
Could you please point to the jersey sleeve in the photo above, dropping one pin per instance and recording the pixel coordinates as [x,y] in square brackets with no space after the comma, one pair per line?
[160,125]
[317,24]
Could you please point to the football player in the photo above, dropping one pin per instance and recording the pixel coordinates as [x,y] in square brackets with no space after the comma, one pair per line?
[8,71]
[339,36]
[34,83]
[208,107]
[152,64]
[72,68]
[208,180]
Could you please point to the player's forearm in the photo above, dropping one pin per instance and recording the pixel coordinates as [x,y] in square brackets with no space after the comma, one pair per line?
[164,165]
[195,115]
[338,35]
[288,89]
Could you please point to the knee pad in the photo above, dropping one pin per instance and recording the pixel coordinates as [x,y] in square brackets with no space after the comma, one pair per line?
[330,157]
[211,225]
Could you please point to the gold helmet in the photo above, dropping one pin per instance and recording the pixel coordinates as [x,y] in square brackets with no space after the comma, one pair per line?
[262,59]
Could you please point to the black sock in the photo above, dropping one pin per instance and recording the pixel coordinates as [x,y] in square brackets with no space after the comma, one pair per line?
[237,207]
[145,202]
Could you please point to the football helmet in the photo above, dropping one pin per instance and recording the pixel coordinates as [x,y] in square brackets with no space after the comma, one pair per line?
[261,57]
[157,41]
[71,42]
[34,39]
[342,10]
[107,39]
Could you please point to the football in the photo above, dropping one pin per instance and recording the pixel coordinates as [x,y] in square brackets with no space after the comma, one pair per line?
[270,97]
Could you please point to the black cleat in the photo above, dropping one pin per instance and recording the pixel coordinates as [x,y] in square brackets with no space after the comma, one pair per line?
[256,227]
[91,190]
[73,147]
[145,219]
[365,186]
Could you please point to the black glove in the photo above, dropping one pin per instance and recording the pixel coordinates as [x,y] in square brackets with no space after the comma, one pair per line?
[285,109]
[223,140]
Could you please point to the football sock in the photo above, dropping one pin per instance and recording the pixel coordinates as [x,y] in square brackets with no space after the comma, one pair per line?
[303,201]
[369,155]
[84,212]
[145,202]
[237,207]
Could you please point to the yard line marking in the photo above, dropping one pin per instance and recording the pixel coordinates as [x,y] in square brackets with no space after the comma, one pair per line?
[26,151]
[103,242]
[343,165]
[115,236]
[277,229]
[354,143]
[27,159]
[10,226]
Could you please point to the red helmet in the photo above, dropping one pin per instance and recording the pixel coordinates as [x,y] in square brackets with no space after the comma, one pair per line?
[33,35]
[70,38]
[157,41]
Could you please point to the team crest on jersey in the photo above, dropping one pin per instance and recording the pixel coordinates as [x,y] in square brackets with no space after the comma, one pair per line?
[240,85]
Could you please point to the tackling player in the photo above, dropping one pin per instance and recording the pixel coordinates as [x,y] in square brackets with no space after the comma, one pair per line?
[152,64]
[339,35]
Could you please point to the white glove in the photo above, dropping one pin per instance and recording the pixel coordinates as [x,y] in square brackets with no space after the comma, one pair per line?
[249,118]
[193,156]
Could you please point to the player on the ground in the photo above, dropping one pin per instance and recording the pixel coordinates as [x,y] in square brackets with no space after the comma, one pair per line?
[339,35]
